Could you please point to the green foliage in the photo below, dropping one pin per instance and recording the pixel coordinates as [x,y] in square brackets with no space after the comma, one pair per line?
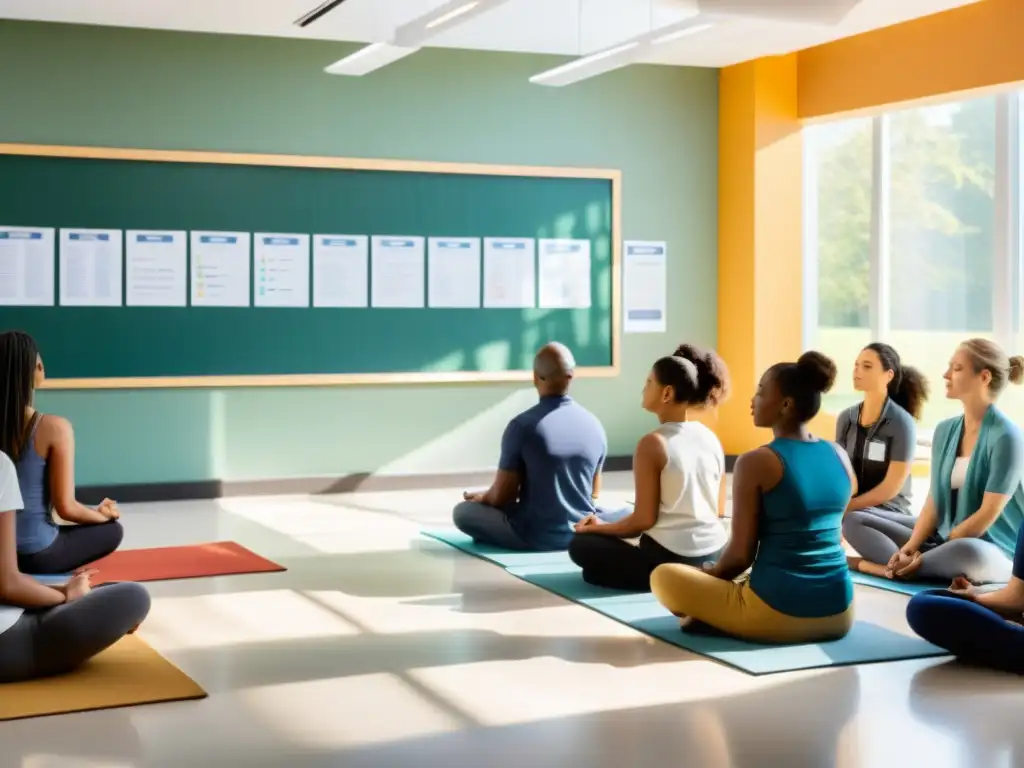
[942,216]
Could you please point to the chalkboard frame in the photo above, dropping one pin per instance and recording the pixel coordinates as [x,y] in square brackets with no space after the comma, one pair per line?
[614,176]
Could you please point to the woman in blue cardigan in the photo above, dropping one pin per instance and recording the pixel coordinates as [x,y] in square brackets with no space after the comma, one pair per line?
[969,523]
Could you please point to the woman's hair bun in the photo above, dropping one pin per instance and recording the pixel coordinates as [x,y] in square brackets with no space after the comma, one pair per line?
[712,374]
[817,370]
[1016,369]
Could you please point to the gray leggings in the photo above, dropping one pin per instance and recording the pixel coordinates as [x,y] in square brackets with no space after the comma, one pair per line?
[58,640]
[877,534]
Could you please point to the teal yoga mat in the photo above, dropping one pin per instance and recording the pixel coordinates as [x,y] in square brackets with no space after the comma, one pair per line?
[901,587]
[554,572]
[909,587]
[503,557]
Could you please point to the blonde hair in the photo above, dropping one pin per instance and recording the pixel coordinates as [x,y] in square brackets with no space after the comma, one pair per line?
[986,355]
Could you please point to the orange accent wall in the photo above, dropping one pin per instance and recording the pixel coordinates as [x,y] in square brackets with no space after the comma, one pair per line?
[760,202]
[973,47]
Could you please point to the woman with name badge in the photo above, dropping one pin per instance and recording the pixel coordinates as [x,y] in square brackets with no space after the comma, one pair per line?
[880,437]
[969,523]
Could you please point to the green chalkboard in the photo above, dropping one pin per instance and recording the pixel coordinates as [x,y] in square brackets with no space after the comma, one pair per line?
[199,346]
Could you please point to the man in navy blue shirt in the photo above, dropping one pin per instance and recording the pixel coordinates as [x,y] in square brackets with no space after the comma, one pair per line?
[549,471]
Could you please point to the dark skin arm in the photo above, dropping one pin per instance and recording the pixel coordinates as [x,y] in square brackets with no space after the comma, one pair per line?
[503,491]
[754,473]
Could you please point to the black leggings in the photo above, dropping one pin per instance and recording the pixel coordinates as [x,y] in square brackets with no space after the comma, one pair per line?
[616,564]
[57,640]
[75,546]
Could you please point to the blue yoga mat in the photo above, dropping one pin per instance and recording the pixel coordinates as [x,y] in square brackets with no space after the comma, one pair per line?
[54,579]
[503,557]
[901,587]
[554,572]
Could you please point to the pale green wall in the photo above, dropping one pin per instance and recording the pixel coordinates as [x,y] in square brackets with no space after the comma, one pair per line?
[93,85]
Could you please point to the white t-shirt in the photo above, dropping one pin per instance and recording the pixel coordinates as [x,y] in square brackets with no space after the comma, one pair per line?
[10,502]
[688,522]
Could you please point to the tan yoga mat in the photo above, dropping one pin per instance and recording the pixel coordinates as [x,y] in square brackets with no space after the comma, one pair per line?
[127,674]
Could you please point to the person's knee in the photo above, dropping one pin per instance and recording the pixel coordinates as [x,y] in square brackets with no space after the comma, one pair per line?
[581,549]
[133,602]
[926,611]
[124,602]
[977,561]
[671,585]
[463,516]
[853,521]
[115,532]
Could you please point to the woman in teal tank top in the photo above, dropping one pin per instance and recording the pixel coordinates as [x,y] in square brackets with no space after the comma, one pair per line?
[788,503]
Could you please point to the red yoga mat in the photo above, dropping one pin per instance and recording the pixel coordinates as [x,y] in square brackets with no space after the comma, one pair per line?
[220,558]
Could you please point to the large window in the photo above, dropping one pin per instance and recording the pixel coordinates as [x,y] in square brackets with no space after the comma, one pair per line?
[838,239]
[940,235]
[912,237]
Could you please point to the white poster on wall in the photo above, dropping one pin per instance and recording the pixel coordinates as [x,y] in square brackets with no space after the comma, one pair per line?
[644,287]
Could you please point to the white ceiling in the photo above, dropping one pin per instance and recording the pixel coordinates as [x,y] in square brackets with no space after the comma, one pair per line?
[567,27]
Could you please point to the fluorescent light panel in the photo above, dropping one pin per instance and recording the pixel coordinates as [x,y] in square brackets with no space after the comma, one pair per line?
[620,55]
[452,13]
[444,18]
[369,58]
[409,37]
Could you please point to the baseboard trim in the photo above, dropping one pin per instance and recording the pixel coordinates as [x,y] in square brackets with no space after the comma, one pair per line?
[136,493]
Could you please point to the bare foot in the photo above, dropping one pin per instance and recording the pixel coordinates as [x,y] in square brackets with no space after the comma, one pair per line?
[860,565]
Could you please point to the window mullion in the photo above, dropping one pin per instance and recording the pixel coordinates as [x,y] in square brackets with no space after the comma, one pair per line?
[881,190]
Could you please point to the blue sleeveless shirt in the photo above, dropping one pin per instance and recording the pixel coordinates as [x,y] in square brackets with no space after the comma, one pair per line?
[800,568]
[36,529]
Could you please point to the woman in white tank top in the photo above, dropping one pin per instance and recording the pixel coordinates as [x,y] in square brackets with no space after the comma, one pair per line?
[679,476]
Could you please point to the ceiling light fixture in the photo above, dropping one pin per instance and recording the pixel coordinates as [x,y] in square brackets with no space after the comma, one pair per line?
[410,37]
[563,75]
[453,14]
[369,58]
[620,55]
[441,19]
[681,33]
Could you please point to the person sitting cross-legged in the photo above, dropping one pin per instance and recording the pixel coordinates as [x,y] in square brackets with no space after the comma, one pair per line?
[549,471]
[679,477]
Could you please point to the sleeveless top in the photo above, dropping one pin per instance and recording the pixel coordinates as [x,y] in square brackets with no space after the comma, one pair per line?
[36,527]
[688,521]
[800,568]
[10,501]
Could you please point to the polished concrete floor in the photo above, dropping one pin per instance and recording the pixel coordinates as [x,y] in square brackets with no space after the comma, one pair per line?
[378,648]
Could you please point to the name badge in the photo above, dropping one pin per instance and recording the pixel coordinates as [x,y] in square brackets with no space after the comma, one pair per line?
[876,450]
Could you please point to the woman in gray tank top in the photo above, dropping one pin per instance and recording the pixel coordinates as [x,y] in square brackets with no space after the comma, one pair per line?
[879,433]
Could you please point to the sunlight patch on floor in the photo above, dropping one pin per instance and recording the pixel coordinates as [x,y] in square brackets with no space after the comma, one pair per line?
[224,619]
[326,527]
[349,711]
[443,612]
[574,688]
